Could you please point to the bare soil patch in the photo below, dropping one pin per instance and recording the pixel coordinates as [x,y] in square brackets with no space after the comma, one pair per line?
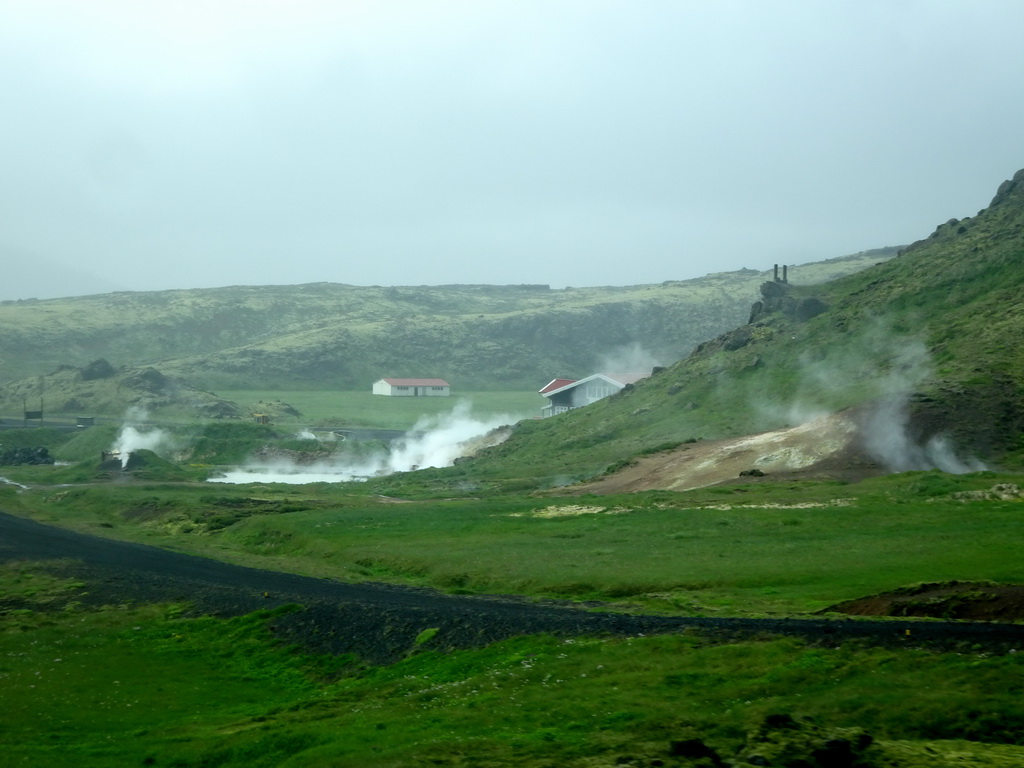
[826,448]
[970,600]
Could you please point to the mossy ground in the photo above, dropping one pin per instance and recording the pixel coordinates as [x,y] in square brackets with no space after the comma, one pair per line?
[147,686]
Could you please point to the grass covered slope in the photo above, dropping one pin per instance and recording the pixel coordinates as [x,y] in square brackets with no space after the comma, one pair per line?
[927,342]
[148,686]
[99,389]
[771,549]
[92,684]
[346,337]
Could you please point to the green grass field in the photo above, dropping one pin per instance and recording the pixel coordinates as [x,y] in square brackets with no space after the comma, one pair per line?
[147,686]
[364,409]
[138,687]
[771,549]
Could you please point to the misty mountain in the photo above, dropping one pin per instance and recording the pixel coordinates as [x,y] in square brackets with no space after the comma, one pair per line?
[343,337]
[28,273]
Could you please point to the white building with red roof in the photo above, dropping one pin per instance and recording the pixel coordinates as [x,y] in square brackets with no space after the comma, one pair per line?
[565,394]
[412,387]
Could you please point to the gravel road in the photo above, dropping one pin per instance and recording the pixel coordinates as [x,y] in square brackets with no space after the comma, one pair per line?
[380,622]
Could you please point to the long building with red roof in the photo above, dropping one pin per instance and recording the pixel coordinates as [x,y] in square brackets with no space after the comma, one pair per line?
[412,387]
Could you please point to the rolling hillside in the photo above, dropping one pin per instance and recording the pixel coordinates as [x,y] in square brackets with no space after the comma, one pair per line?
[344,337]
[924,347]
[916,356]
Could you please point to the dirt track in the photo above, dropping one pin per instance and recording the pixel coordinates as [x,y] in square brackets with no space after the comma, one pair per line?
[380,622]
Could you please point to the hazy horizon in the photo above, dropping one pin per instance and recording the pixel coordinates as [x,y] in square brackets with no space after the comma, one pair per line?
[424,142]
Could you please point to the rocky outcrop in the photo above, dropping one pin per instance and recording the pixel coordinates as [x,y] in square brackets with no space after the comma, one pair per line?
[15,456]
[1007,188]
[98,369]
[954,227]
[777,297]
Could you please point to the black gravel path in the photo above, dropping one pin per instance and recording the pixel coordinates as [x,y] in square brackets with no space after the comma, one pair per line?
[380,622]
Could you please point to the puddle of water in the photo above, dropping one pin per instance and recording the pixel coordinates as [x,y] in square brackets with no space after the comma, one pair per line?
[292,477]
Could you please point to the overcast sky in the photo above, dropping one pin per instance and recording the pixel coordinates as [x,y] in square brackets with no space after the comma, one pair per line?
[198,143]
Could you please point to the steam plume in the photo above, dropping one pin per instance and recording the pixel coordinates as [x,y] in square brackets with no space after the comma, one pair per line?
[887,439]
[891,368]
[629,358]
[434,441]
[886,430]
[134,436]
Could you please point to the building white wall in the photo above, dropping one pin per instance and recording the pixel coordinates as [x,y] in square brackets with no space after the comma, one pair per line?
[382,387]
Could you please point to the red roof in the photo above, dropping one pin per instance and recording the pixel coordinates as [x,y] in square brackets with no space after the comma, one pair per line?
[621,379]
[556,384]
[417,382]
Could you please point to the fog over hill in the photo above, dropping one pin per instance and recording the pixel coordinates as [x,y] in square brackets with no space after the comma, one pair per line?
[921,350]
[195,144]
[338,336]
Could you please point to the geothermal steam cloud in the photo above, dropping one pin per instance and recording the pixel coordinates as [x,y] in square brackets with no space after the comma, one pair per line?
[434,441]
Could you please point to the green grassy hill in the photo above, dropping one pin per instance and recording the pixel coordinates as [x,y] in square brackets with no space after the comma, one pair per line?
[926,342]
[934,335]
[333,336]
[99,389]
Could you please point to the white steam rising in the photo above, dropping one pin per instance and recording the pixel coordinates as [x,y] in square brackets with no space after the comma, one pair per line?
[434,441]
[887,439]
[135,435]
[885,431]
[289,472]
[629,358]
[891,379]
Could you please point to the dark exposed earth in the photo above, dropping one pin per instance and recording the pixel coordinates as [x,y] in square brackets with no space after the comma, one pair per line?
[380,623]
[969,600]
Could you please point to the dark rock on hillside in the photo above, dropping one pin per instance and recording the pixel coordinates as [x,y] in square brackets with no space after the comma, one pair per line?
[16,456]
[147,380]
[809,307]
[97,369]
[1006,188]
[737,339]
[778,297]
[729,342]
